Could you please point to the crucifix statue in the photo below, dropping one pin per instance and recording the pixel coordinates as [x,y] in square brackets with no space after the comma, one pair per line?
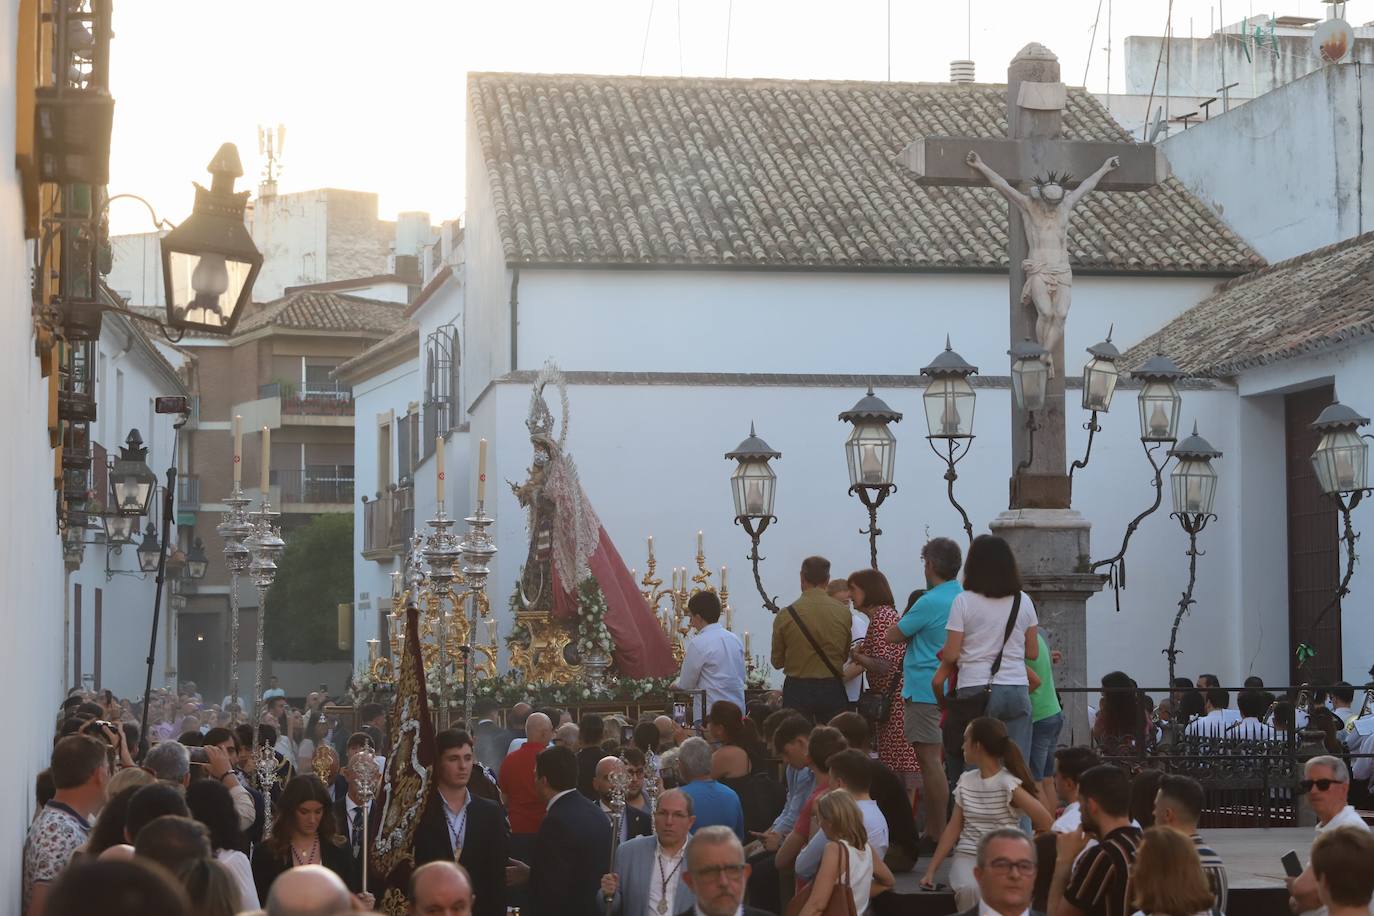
[1033,169]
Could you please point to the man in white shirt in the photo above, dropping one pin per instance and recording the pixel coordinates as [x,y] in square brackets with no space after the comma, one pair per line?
[647,875]
[858,629]
[1253,705]
[1327,784]
[852,771]
[1213,724]
[714,660]
[1206,683]
[273,690]
[1342,696]
[1069,764]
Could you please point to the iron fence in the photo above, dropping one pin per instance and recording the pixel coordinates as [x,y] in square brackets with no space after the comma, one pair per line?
[327,483]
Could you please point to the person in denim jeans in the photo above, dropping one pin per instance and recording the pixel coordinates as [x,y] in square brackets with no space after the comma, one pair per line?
[976,633]
[1047,719]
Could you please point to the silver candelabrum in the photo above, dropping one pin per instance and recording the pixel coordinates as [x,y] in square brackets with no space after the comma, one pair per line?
[441,553]
[266,547]
[235,528]
[477,552]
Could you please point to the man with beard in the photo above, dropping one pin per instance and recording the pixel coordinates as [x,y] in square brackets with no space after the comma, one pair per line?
[1096,884]
[633,822]
[458,826]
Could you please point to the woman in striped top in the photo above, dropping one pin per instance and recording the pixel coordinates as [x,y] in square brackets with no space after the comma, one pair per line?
[996,792]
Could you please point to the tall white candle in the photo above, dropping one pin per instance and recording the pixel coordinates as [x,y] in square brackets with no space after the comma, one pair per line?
[723,585]
[238,448]
[266,460]
[651,546]
[746,643]
[481,470]
[699,543]
[439,467]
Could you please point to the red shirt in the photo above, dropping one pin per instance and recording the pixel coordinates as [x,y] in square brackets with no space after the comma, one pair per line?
[523,804]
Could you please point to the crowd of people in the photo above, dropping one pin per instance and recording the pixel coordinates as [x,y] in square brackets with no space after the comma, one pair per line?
[769,806]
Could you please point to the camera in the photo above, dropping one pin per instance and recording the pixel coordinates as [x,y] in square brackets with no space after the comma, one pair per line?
[198,755]
[680,713]
[627,734]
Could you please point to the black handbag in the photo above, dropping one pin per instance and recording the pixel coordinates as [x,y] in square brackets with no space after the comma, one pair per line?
[876,705]
[960,711]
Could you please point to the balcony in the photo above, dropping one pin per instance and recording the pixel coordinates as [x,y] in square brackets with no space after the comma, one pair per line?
[322,400]
[188,493]
[318,485]
[387,522]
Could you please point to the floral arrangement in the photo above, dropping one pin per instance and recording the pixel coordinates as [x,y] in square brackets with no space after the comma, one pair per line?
[508,689]
[590,635]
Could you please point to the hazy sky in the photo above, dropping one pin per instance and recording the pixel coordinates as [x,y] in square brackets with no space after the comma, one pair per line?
[372,93]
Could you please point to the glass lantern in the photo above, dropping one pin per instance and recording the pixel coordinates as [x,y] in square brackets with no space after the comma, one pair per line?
[131,482]
[753,483]
[949,398]
[1030,375]
[1194,480]
[209,262]
[1159,399]
[1342,456]
[150,551]
[197,563]
[1100,376]
[871,448]
[119,529]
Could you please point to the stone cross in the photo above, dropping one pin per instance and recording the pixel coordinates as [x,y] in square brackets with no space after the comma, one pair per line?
[1035,151]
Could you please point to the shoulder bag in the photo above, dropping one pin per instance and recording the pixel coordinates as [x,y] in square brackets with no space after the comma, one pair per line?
[960,711]
[876,705]
[792,609]
[841,902]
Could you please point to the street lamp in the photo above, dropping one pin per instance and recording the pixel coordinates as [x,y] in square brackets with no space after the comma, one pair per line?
[949,402]
[1341,462]
[119,529]
[753,485]
[131,482]
[150,550]
[1194,489]
[1100,376]
[209,262]
[1159,403]
[871,450]
[1030,374]
[197,563]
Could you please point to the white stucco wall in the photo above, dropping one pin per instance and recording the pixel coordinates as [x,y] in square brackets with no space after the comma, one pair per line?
[1287,171]
[30,550]
[136,267]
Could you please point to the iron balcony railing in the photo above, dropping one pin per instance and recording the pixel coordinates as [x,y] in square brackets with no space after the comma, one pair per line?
[321,483]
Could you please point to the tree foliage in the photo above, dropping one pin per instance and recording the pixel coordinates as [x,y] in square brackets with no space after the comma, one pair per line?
[314,578]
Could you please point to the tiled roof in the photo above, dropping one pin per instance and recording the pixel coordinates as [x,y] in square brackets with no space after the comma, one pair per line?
[775,173]
[1305,305]
[315,310]
[405,341]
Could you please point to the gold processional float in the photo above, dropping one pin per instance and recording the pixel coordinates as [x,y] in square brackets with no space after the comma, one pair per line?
[543,651]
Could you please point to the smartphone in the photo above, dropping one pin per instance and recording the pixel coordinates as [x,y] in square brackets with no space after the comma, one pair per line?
[680,713]
[1292,865]
[627,734]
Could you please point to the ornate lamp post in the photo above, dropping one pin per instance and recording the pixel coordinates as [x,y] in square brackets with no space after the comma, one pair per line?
[119,529]
[209,262]
[150,550]
[1159,403]
[1342,465]
[131,481]
[1100,376]
[949,403]
[753,485]
[197,563]
[871,450]
[1030,375]
[1194,484]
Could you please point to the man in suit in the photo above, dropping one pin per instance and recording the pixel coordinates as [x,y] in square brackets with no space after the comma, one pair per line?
[459,826]
[591,731]
[633,822]
[1005,872]
[649,873]
[350,813]
[717,874]
[489,737]
[573,848]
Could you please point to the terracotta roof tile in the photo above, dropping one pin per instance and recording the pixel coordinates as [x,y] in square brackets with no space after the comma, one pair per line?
[1308,304]
[316,310]
[653,170]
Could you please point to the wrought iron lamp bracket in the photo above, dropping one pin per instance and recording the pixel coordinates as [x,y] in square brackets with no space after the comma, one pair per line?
[755,526]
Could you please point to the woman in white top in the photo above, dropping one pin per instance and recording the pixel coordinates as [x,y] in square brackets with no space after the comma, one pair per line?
[995,793]
[1167,877]
[977,631]
[843,824]
[212,805]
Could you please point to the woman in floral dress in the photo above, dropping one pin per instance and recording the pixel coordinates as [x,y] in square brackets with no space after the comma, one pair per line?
[882,660]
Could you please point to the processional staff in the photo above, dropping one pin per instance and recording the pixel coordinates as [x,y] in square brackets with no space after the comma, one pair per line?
[367,776]
[620,786]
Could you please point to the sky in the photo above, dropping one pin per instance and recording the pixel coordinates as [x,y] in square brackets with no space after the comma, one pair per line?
[372,93]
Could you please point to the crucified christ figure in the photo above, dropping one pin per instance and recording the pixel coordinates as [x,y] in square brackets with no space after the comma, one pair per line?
[1045,215]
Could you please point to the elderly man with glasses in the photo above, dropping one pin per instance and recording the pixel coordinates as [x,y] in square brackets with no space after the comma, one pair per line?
[1005,872]
[649,873]
[717,874]
[1326,781]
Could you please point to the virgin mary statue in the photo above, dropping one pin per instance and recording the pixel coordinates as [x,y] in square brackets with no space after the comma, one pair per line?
[568,545]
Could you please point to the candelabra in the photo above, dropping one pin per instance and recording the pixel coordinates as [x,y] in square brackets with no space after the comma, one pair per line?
[477,550]
[266,547]
[441,552]
[236,528]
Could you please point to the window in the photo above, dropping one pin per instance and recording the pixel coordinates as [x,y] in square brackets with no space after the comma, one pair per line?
[319,384]
[408,445]
[383,456]
[442,359]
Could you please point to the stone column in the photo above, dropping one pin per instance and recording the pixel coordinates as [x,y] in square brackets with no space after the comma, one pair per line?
[1050,546]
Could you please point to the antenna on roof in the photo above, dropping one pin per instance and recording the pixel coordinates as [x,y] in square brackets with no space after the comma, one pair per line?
[270,146]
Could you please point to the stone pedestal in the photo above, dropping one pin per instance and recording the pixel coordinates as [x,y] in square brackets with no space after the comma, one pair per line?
[1050,546]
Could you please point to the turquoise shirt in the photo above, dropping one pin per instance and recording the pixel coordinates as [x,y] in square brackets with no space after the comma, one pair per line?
[924,625]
